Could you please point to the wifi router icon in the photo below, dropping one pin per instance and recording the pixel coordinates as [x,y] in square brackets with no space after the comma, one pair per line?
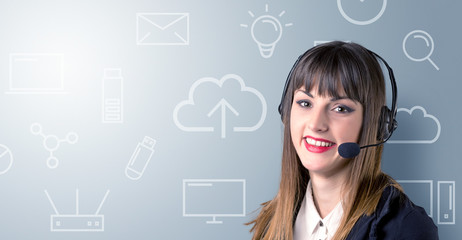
[77,222]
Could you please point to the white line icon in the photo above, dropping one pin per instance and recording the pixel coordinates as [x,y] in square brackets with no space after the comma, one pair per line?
[222,105]
[425,185]
[140,158]
[77,222]
[446,202]
[266,31]
[408,113]
[362,22]
[52,142]
[214,198]
[162,28]
[36,73]
[112,96]
[6,159]
[419,34]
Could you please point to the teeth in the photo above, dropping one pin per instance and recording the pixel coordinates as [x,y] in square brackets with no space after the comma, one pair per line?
[317,143]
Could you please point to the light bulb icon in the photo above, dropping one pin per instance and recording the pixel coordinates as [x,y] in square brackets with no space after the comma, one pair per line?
[266,31]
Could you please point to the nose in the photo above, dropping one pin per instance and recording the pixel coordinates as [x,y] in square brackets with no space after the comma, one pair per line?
[318,120]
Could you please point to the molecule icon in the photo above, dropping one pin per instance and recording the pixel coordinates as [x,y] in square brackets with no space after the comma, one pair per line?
[52,142]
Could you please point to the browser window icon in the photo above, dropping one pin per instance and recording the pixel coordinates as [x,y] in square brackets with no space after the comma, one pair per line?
[36,73]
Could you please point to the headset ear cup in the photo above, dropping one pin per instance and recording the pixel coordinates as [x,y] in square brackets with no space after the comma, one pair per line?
[384,124]
[394,124]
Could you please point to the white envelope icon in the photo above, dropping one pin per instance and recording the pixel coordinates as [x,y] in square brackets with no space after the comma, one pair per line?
[162,28]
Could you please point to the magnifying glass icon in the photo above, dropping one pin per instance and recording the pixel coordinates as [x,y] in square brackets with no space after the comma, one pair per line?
[419,34]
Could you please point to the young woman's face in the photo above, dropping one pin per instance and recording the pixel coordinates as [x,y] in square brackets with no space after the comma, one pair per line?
[319,125]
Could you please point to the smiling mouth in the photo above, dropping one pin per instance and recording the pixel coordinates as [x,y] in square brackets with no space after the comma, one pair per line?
[317,145]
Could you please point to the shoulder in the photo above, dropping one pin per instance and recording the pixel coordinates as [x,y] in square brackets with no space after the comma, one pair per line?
[395,217]
[399,218]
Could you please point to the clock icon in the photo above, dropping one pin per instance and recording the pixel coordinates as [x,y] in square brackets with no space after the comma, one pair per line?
[361,22]
[6,159]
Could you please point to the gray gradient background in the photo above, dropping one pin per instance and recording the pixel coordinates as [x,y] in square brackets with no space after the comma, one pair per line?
[93,35]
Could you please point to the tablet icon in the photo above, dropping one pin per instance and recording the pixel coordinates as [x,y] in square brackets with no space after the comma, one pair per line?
[416,38]
[363,4]
[266,31]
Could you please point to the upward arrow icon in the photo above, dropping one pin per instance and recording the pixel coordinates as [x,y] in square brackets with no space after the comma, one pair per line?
[222,105]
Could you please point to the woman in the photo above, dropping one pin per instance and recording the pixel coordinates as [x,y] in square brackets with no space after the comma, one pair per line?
[336,94]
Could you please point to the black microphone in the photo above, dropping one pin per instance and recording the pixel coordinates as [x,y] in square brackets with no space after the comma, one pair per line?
[351,149]
[348,149]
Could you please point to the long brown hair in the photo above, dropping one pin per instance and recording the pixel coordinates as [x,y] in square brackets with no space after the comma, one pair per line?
[330,67]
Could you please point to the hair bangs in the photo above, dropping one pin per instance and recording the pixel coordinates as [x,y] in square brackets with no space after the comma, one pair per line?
[332,77]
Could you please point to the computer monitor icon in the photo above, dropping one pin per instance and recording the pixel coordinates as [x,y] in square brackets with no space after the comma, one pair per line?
[214,198]
[420,192]
[77,222]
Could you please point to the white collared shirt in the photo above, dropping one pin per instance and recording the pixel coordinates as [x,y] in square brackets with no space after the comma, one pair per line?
[310,226]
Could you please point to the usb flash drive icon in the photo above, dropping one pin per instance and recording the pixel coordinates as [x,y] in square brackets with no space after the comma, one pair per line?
[140,158]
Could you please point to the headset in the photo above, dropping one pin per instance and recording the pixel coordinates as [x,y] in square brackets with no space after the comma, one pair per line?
[387,120]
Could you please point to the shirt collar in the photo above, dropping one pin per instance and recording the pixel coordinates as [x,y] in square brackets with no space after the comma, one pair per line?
[308,219]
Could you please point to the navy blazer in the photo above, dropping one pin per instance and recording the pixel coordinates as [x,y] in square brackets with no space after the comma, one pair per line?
[396,217]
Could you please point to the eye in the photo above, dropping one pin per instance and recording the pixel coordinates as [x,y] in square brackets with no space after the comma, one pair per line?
[303,103]
[343,109]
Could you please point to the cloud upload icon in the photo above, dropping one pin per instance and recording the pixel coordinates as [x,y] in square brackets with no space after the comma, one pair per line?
[416,126]
[226,98]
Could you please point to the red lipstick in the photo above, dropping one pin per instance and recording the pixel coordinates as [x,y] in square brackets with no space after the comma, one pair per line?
[312,143]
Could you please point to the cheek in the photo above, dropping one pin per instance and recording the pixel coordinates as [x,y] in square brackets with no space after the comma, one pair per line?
[296,126]
[354,128]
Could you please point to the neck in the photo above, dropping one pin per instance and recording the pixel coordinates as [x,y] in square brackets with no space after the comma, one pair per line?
[327,191]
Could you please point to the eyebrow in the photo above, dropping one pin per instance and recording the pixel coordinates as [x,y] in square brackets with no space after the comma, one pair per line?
[305,92]
[340,98]
[333,99]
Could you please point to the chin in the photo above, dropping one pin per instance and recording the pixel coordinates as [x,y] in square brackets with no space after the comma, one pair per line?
[314,166]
